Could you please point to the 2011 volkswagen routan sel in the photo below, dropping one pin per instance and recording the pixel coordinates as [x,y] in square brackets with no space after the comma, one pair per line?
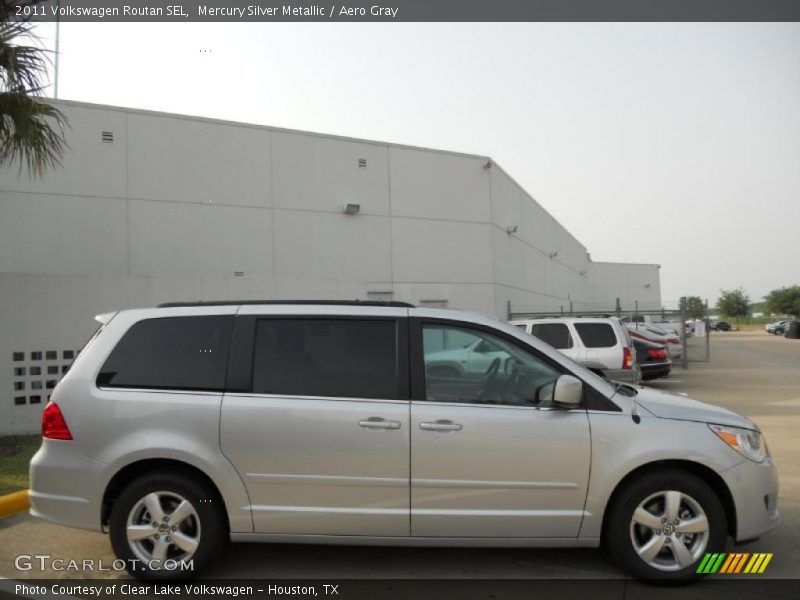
[180,427]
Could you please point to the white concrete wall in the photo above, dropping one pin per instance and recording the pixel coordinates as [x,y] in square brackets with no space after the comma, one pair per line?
[540,266]
[634,285]
[181,208]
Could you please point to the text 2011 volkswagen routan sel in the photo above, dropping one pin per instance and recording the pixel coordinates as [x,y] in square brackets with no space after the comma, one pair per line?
[183,426]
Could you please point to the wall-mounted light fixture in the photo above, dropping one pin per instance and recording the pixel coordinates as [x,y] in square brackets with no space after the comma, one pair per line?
[553,254]
[581,273]
[351,209]
[646,285]
[512,228]
[488,164]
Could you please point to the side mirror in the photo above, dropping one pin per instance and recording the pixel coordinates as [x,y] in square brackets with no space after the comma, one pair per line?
[568,392]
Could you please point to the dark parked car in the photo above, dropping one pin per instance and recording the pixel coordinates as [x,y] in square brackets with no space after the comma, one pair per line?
[721,326]
[653,359]
[777,328]
[782,328]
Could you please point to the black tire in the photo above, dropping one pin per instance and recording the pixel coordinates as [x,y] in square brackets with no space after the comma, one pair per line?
[208,522]
[620,530]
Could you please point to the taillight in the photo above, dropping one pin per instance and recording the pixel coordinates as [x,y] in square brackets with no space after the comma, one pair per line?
[656,353]
[54,426]
[627,358]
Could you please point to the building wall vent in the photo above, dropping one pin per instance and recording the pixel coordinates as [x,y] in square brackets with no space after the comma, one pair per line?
[107,137]
[362,162]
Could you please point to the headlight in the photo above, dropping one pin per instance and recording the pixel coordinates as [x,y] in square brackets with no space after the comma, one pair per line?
[747,442]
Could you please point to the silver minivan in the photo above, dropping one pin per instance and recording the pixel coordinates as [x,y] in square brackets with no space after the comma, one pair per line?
[180,427]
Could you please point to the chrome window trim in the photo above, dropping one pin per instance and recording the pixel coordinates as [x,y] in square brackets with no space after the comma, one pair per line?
[329,398]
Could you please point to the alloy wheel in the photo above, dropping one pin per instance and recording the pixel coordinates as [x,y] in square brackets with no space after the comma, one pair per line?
[163,526]
[669,530]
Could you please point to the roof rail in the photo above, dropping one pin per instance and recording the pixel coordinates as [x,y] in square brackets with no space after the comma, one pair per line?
[387,303]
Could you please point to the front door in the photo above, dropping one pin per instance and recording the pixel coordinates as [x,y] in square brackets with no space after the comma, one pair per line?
[490,455]
[321,438]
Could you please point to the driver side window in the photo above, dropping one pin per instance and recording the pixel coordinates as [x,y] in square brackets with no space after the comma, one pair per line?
[470,366]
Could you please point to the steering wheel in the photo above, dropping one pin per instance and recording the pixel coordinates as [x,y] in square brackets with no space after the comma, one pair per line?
[488,377]
[492,371]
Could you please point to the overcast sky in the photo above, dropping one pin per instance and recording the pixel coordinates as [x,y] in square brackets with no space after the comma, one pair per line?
[676,144]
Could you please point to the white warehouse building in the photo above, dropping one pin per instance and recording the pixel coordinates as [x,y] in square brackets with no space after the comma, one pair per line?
[151,207]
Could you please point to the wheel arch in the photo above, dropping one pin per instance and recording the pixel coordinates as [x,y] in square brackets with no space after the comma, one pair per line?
[708,475]
[141,467]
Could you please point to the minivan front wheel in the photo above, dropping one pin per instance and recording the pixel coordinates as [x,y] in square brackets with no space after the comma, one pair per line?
[165,526]
[663,524]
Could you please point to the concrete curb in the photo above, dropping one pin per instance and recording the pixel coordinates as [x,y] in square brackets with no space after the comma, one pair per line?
[13,503]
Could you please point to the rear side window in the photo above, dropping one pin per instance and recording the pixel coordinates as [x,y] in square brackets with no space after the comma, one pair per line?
[555,334]
[171,353]
[342,358]
[596,335]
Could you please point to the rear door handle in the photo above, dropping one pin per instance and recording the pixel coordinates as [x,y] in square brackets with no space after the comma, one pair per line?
[441,425]
[379,423]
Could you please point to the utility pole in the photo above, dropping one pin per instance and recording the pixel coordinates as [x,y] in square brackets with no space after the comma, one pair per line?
[58,51]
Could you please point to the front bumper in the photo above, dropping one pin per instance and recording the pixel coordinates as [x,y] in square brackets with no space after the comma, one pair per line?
[754,487]
[65,486]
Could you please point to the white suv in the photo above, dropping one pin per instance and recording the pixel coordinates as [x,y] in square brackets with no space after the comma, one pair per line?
[602,345]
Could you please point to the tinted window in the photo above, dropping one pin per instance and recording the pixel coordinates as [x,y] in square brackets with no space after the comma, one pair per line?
[186,353]
[470,366]
[555,334]
[326,357]
[596,335]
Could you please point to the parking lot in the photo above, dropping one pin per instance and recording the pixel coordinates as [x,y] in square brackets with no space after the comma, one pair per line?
[751,372]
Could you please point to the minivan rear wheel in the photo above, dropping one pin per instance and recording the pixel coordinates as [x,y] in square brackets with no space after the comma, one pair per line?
[166,526]
[662,524]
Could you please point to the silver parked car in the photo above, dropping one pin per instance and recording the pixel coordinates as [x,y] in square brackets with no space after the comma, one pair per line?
[180,427]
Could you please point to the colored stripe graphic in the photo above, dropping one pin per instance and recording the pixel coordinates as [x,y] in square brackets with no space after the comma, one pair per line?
[729,563]
[740,563]
[767,558]
[701,568]
[711,563]
[736,562]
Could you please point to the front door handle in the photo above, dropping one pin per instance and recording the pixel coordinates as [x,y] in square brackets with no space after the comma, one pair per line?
[379,423]
[441,425]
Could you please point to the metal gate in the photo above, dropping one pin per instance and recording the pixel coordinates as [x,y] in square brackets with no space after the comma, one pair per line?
[691,327]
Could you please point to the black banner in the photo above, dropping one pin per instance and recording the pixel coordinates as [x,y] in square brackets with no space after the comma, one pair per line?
[404,10]
[721,588]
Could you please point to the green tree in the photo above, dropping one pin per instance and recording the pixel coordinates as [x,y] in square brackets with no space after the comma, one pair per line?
[693,307]
[785,301]
[734,304]
[31,130]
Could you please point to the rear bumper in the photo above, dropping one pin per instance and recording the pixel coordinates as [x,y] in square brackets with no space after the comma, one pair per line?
[633,375]
[754,487]
[654,370]
[65,486]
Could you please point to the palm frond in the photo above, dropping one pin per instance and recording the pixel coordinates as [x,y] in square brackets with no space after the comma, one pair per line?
[31,132]
[20,65]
